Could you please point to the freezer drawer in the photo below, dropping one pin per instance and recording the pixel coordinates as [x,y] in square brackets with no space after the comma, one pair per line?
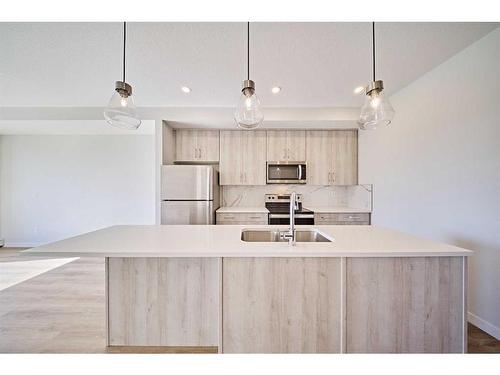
[187,212]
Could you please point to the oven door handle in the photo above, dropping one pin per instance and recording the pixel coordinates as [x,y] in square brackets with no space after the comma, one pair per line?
[300,172]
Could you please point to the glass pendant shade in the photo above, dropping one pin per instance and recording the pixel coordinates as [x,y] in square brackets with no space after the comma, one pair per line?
[376,111]
[121,111]
[248,113]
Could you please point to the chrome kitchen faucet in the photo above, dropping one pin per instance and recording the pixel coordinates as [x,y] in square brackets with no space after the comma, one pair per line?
[290,235]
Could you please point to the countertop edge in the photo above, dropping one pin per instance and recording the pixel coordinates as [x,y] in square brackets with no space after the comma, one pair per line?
[268,254]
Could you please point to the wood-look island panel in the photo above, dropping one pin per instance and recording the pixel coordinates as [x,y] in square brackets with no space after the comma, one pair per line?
[282,305]
[405,305]
[163,301]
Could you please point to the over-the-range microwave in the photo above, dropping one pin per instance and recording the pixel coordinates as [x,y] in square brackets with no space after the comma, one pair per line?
[286,172]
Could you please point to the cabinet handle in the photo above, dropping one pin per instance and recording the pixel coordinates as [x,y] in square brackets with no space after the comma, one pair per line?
[284,153]
[329,177]
[288,154]
[333,176]
[255,217]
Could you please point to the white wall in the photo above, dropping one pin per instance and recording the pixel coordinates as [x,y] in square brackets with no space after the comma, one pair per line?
[56,186]
[436,169]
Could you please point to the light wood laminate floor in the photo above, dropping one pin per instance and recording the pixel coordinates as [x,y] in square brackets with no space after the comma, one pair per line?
[62,311]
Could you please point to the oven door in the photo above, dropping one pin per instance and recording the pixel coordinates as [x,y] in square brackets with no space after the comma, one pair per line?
[284,219]
[286,172]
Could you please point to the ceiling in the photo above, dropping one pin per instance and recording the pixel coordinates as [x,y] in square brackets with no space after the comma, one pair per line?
[316,64]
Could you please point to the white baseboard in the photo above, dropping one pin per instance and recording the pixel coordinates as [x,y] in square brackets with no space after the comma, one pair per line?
[484,325]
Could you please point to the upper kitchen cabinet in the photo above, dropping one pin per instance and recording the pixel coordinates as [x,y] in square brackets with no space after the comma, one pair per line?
[197,145]
[332,157]
[243,157]
[286,145]
[345,157]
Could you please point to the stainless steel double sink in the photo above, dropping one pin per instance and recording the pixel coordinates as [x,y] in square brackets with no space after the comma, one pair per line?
[274,235]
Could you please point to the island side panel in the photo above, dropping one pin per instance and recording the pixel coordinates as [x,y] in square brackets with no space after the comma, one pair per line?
[282,305]
[163,301]
[405,305]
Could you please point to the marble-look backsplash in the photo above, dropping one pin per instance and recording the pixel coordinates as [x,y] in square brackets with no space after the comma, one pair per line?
[359,196]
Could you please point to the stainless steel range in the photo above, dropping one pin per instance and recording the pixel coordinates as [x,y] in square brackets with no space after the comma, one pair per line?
[279,206]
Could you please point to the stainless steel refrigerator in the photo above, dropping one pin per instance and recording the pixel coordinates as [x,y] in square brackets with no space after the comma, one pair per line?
[189,194]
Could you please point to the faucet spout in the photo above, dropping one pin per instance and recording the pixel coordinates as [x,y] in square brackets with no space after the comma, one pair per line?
[293,207]
[290,234]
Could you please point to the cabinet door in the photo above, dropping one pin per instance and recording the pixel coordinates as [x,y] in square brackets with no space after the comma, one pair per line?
[296,145]
[185,145]
[277,146]
[254,157]
[319,157]
[345,157]
[231,163]
[282,305]
[207,142]
[405,305]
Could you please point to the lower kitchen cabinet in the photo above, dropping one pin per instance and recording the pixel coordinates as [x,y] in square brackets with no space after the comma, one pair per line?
[241,218]
[281,305]
[406,305]
[163,301]
[342,218]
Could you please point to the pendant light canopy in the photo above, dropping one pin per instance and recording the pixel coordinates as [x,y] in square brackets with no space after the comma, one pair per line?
[377,109]
[248,113]
[121,111]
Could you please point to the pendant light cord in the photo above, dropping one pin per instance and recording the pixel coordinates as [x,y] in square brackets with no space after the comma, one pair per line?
[248,50]
[373,49]
[124,47]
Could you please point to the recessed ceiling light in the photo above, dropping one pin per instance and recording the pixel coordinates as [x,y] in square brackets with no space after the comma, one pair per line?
[276,89]
[185,89]
[359,90]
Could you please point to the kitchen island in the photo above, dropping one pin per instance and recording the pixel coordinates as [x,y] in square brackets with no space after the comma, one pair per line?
[365,289]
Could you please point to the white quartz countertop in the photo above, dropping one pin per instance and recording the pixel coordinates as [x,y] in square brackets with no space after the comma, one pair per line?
[235,210]
[225,241]
[337,209]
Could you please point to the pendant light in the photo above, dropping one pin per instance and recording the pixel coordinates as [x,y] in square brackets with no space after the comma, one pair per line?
[377,109]
[248,113]
[121,111]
